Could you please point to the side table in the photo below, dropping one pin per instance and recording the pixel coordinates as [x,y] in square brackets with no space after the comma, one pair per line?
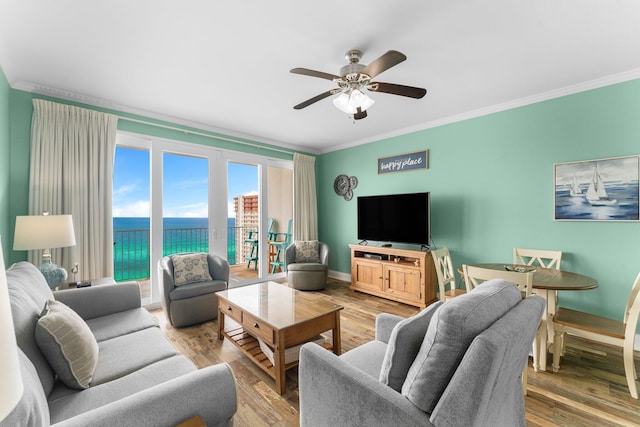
[95,282]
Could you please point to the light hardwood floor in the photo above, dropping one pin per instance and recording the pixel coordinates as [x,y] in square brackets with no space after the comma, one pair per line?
[589,390]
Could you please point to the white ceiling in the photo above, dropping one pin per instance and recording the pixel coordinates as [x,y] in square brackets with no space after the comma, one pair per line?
[225,65]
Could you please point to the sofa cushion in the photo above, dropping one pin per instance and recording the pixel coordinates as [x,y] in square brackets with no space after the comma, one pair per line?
[192,290]
[66,403]
[28,292]
[307,266]
[190,268]
[32,409]
[68,344]
[125,354]
[404,344]
[122,323]
[367,357]
[451,330]
[307,251]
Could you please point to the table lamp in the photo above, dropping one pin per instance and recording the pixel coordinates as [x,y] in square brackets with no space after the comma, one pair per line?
[11,385]
[45,232]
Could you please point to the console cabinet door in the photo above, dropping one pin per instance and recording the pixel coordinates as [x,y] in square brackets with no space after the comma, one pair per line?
[367,275]
[403,281]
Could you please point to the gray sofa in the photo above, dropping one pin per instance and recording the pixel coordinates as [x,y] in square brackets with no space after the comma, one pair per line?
[457,363]
[139,380]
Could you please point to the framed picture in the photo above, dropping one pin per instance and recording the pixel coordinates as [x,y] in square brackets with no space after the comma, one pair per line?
[403,162]
[597,190]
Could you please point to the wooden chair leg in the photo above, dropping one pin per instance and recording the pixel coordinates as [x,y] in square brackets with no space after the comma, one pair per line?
[629,369]
[539,344]
[524,379]
[557,350]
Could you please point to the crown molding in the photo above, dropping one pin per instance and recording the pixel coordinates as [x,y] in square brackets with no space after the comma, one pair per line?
[528,100]
[108,104]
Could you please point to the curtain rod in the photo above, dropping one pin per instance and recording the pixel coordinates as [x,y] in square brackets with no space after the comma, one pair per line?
[222,138]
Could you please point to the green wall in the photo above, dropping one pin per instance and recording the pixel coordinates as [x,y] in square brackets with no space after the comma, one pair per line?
[491,184]
[4,164]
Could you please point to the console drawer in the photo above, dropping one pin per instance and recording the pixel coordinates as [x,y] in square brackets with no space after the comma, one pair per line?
[258,328]
[231,311]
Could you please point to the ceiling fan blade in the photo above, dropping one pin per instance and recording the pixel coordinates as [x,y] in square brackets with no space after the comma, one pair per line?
[386,61]
[394,89]
[315,99]
[314,73]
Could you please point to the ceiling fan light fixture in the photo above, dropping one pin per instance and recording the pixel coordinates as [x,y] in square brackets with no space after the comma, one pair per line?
[342,103]
[360,99]
[348,102]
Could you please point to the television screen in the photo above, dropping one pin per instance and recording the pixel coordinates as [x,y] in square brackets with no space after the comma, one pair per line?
[400,218]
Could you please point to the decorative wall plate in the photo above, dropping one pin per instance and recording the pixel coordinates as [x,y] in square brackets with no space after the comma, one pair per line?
[343,185]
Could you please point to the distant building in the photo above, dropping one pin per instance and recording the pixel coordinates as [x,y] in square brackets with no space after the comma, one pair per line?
[247,217]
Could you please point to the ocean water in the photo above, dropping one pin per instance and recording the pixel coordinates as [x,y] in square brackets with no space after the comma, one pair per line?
[131,238]
[578,208]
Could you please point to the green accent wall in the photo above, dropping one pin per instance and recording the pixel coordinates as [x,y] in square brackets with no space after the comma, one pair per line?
[4,164]
[491,184]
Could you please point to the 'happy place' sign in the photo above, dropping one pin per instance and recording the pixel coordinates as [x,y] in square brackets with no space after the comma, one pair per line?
[403,162]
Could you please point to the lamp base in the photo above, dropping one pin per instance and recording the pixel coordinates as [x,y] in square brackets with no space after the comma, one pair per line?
[53,274]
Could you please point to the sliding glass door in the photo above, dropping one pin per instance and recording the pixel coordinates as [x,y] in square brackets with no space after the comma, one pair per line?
[172,197]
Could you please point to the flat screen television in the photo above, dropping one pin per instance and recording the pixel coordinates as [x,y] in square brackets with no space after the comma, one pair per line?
[400,218]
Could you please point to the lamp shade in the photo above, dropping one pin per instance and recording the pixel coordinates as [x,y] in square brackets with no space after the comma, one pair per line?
[11,385]
[43,232]
[349,101]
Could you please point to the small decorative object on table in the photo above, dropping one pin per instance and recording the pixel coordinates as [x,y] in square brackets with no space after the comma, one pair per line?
[519,268]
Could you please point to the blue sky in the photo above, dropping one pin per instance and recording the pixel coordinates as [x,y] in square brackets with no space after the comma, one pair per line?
[184,184]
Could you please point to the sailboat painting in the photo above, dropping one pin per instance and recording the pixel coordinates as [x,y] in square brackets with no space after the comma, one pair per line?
[597,190]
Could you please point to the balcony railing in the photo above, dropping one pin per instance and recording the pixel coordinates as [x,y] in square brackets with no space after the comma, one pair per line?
[131,250]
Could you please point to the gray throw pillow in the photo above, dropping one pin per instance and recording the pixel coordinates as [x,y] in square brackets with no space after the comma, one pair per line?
[307,251]
[68,344]
[190,268]
[451,331]
[404,344]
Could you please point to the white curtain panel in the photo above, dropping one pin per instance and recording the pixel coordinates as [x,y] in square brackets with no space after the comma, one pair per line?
[305,206]
[71,172]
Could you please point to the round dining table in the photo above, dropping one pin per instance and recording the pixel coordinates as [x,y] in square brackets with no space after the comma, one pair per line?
[546,283]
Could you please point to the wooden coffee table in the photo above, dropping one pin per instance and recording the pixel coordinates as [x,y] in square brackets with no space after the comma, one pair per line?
[278,315]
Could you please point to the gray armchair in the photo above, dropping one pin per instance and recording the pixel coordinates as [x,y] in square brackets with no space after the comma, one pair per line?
[307,276]
[194,302]
[457,363]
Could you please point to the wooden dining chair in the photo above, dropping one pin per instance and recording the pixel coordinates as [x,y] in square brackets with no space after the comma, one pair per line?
[475,276]
[446,274]
[602,330]
[543,258]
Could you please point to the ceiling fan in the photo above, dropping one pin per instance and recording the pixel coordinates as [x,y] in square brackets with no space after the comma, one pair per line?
[355,80]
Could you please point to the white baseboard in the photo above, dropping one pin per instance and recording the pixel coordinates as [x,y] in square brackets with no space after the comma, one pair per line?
[340,276]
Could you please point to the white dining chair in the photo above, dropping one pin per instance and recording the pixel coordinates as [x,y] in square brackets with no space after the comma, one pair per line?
[602,330]
[475,276]
[446,274]
[543,258]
